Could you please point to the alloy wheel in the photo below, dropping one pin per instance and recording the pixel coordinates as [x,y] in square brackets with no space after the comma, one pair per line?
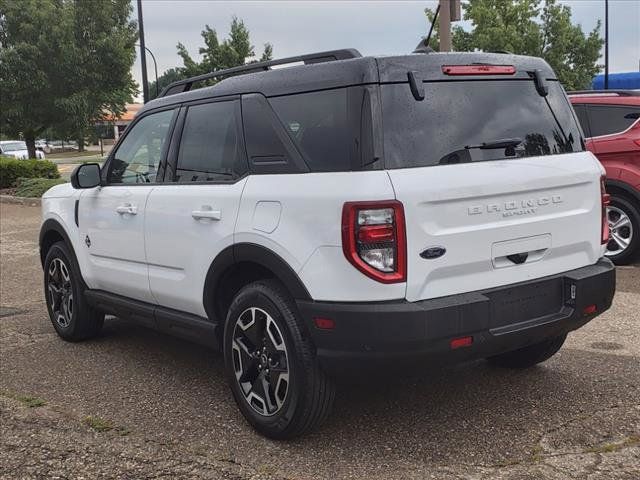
[260,361]
[60,292]
[620,231]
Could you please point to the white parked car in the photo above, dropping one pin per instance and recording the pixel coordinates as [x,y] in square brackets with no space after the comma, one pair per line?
[353,212]
[17,149]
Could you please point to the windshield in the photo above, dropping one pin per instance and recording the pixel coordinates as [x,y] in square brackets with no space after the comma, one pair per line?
[472,121]
[13,146]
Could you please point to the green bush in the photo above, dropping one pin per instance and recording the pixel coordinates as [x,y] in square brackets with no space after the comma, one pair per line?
[11,169]
[35,187]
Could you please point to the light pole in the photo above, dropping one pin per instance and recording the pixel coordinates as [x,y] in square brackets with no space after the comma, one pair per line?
[606,44]
[143,56]
[155,67]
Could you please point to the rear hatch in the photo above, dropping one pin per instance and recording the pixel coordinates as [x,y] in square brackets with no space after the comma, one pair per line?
[491,169]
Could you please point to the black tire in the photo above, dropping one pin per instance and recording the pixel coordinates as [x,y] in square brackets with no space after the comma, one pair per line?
[529,356]
[79,321]
[631,210]
[308,396]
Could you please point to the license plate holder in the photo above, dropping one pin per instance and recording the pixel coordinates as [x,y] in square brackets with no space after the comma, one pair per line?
[521,303]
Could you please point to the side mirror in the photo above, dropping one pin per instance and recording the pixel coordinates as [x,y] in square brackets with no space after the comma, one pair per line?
[86,175]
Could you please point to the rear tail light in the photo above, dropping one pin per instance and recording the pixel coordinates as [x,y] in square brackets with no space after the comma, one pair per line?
[374,239]
[604,203]
[478,69]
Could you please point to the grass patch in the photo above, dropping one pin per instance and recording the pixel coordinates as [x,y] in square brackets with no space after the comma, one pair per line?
[630,441]
[98,424]
[72,154]
[30,402]
[26,400]
[537,453]
[35,187]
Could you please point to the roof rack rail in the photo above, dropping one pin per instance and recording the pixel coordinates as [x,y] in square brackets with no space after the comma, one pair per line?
[185,85]
[622,93]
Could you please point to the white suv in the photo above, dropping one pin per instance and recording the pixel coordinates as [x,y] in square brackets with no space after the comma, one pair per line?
[346,213]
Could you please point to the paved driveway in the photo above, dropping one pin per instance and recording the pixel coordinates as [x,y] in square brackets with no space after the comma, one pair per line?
[138,404]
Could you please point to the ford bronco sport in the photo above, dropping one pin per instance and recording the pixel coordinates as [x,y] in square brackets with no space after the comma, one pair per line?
[345,212]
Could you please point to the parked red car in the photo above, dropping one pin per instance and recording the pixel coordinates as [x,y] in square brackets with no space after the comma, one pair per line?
[610,120]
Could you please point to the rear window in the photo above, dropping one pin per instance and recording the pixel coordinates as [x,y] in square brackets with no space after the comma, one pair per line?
[456,118]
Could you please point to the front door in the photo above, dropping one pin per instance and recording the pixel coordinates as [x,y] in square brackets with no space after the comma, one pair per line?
[111,218]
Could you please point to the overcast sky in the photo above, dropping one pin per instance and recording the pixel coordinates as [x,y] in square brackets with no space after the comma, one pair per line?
[372,27]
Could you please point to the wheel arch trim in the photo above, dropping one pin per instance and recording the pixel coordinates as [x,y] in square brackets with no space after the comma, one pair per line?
[48,226]
[251,253]
[632,192]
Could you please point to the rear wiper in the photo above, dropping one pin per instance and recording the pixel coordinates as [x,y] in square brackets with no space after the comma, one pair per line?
[496,144]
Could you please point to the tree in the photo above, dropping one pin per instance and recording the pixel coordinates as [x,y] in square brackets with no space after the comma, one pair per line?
[524,27]
[104,46]
[169,76]
[232,52]
[63,74]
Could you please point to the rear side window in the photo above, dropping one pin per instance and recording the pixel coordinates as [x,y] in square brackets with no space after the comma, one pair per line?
[317,123]
[609,119]
[471,121]
[210,143]
[581,113]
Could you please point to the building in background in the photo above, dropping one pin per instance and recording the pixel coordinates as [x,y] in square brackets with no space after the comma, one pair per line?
[113,126]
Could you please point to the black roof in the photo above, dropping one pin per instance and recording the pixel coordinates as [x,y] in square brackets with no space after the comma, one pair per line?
[328,73]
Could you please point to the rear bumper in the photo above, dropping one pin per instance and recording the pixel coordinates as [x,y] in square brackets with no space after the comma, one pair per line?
[498,319]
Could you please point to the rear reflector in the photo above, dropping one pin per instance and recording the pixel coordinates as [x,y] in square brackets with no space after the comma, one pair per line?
[605,199]
[590,309]
[461,342]
[478,69]
[324,323]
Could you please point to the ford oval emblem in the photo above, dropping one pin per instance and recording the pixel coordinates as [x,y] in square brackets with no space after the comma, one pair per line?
[433,252]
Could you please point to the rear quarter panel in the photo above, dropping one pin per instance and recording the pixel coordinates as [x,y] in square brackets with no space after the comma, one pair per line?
[299,216]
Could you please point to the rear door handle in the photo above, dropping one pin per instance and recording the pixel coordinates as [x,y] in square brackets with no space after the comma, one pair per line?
[127,208]
[206,212]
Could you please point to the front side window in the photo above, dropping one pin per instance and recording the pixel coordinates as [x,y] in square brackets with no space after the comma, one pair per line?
[138,156]
[610,119]
[210,144]
[473,121]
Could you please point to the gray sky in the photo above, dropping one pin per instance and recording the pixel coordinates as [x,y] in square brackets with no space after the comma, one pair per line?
[373,27]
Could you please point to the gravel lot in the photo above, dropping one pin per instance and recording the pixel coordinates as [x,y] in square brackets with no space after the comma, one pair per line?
[138,404]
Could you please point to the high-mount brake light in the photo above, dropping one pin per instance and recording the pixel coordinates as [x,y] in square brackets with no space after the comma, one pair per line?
[604,200]
[478,69]
[374,239]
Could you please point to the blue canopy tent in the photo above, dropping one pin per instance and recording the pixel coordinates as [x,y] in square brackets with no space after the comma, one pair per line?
[618,81]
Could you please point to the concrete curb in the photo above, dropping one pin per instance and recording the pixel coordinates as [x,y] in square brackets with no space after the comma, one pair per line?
[31,202]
